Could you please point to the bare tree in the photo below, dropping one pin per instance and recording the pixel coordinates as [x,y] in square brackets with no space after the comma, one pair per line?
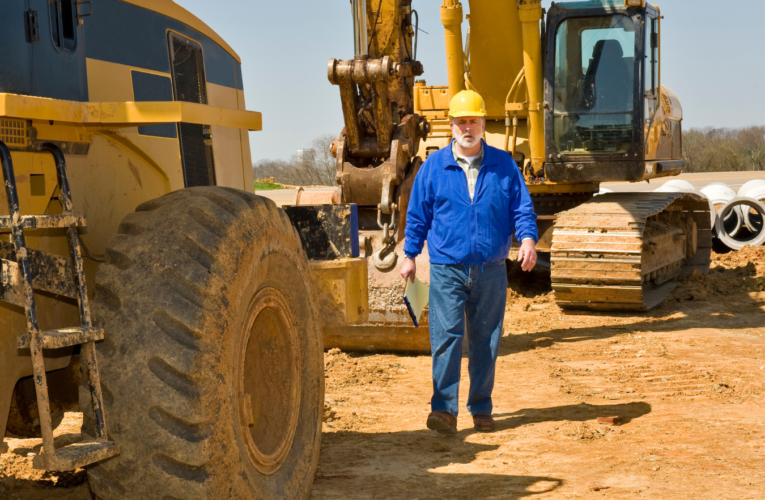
[752,143]
[313,166]
[325,163]
[724,150]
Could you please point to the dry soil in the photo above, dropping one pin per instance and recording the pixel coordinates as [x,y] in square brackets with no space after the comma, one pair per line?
[687,380]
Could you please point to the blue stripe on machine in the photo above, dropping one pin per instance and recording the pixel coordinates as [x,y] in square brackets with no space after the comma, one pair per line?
[152,87]
[239,81]
[126,34]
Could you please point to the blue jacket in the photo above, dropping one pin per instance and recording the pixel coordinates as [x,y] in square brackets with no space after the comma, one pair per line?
[460,231]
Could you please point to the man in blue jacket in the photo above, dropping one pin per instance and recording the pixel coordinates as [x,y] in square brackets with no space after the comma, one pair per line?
[468,200]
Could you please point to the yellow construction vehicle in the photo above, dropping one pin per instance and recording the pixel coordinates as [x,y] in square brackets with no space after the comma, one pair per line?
[575,96]
[128,184]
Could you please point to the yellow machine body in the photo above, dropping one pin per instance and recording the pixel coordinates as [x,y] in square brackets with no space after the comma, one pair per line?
[115,159]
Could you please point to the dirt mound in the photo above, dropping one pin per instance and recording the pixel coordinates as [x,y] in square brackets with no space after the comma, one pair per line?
[349,370]
[730,275]
[745,256]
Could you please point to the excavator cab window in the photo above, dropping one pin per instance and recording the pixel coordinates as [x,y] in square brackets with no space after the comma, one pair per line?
[594,85]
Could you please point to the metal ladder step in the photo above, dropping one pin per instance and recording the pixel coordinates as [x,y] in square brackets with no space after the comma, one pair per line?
[63,337]
[45,221]
[76,455]
[33,268]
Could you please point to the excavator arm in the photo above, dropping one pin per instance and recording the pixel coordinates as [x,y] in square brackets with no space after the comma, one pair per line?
[376,150]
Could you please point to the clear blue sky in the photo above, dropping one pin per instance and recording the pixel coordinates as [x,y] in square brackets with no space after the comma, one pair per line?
[713,57]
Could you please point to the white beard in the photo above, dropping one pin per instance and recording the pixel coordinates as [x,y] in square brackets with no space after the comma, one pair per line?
[465,142]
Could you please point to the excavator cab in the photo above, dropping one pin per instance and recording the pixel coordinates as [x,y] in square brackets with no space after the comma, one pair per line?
[605,109]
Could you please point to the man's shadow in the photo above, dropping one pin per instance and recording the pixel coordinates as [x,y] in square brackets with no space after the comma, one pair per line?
[421,463]
[577,413]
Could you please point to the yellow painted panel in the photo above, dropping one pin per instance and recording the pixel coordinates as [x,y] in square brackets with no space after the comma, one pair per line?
[249,175]
[26,165]
[222,97]
[227,146]
[344,291]
[433,98]
[244,136]
[111,181]
[125,114]
[146,113]
[110,82]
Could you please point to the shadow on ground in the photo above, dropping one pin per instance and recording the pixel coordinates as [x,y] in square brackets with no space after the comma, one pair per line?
[719,300]
[423,464]
[571,413]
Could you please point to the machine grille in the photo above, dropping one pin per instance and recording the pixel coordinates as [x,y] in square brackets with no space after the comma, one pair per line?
[189,85]
[13,133]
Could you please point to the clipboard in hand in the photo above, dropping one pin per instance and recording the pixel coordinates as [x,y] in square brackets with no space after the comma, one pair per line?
[416,298]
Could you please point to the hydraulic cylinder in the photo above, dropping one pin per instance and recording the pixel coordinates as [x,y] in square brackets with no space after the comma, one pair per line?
[530,13]
[451,18]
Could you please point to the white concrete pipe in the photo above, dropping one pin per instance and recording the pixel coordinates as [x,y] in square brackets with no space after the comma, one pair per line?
[753,189]
[729,208]
[681,186]
[603,191]
[718,195]
[751,185]
[676,186]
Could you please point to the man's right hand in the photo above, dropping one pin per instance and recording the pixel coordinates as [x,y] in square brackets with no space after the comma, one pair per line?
[408,268]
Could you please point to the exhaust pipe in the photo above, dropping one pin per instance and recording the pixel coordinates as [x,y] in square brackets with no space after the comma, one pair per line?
[359,11]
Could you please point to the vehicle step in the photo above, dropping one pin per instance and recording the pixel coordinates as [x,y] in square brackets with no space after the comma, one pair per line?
[45,221]
[76,455]
[64,337]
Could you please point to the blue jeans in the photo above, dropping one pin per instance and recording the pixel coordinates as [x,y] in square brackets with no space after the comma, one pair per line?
[476,294]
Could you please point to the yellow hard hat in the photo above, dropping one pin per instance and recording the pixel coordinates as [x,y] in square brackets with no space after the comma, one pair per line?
[467,103]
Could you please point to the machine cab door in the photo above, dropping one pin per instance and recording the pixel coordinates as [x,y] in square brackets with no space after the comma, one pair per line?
[651,90]
[58,54]
[593,87]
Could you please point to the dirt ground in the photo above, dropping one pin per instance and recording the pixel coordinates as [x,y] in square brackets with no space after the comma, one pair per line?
[687,380]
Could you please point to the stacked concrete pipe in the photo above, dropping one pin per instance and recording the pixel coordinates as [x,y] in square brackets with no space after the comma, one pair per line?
[753,189]
[719,195]
[739,203]
[676,186]
[730,211]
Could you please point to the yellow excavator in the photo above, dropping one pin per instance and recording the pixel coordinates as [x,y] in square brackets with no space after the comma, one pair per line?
[573,94]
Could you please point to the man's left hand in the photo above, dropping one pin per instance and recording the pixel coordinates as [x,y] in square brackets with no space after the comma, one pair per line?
[527,255]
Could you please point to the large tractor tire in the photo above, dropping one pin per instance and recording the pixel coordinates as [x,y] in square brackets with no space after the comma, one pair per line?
[212,365]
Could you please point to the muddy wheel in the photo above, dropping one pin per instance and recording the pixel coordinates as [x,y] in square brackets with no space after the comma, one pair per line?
[212,367]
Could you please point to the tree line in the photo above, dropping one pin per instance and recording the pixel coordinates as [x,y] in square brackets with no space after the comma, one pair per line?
[724,149]
[314,166]
[704,149]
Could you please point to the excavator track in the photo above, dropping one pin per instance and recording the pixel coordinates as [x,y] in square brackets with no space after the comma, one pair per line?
[623,251]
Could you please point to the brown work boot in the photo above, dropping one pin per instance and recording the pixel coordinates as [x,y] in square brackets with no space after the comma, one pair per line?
[483,423]
[443,422]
